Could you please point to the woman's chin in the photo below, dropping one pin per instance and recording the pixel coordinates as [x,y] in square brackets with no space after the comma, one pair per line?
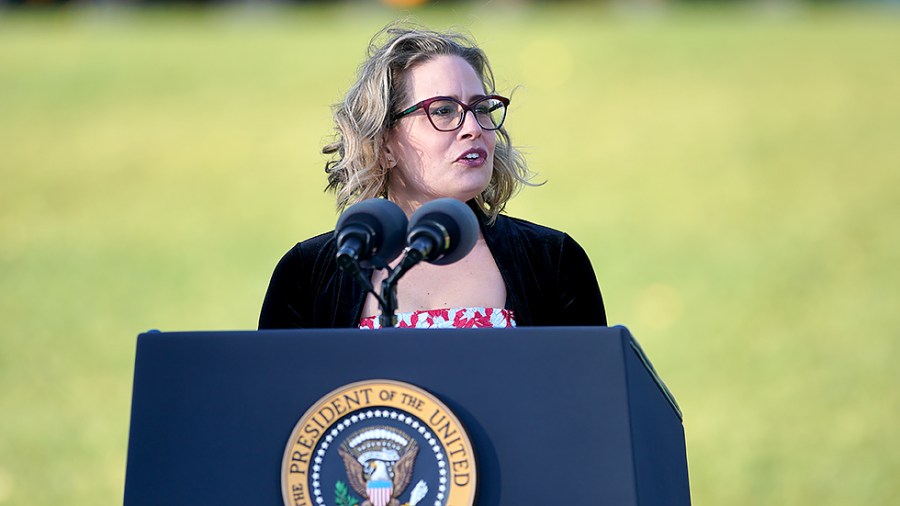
[467,194]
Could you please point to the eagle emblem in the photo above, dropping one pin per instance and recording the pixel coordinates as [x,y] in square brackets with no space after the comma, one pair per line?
[367,443]
[379,464]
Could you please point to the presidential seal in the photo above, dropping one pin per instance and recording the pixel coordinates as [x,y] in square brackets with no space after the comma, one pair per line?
[378,443]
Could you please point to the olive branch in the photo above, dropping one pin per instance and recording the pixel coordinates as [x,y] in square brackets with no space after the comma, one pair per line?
[342,496]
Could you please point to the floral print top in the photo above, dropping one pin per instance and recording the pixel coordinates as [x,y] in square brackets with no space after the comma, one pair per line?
[448,318]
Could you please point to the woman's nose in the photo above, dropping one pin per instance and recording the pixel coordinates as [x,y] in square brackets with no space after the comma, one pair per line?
[470,126]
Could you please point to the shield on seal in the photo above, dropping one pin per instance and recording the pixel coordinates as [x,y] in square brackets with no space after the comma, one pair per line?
[379,491]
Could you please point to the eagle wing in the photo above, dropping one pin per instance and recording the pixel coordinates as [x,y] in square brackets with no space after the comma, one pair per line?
[403,469]
[355,473]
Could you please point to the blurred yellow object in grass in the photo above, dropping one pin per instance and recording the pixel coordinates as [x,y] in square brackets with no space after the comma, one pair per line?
[404,3]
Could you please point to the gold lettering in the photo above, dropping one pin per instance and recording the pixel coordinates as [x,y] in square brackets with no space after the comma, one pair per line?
[302,457]
[352,400]
[314,432]
[412,401]
[462,449]
[338,407]
[304,443]
[445,428]
[461,480]
[459,465]
[298,495]
[327,414]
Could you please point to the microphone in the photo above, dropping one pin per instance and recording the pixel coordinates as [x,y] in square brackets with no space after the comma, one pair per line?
[370,234]
[441,232]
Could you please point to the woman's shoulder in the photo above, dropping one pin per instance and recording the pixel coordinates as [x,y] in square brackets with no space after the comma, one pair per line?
[308,255]
[313,246]
[509,225]
[536,241]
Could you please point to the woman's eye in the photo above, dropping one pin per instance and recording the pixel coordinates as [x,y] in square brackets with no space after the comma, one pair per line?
[443,110]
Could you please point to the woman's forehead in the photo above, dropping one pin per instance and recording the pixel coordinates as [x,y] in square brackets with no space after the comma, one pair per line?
[444,75]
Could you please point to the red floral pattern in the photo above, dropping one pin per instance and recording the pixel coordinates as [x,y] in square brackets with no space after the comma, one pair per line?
[446,318]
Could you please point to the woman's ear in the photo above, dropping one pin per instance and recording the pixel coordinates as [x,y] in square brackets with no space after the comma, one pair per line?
[388,157]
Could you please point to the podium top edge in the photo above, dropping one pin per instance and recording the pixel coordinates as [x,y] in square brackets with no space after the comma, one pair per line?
[636,347]
[156,332]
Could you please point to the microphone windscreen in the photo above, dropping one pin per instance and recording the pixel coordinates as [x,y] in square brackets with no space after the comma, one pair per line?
[457,220]
[387,223]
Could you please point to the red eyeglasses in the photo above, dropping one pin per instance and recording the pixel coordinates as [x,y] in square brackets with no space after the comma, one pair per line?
[447,114]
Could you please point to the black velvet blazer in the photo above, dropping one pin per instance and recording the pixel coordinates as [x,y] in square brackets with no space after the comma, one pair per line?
[549,281]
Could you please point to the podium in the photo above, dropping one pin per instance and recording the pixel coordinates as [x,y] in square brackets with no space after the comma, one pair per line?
[555,415]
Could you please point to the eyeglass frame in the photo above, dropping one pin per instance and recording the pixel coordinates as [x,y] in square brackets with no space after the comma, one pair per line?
[465,107]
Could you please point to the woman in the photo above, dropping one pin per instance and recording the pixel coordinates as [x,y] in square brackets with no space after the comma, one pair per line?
[422,122]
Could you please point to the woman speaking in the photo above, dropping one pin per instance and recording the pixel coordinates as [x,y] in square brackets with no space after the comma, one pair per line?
[422,122]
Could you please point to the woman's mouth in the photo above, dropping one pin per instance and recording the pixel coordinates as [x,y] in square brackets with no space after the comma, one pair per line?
[473,158]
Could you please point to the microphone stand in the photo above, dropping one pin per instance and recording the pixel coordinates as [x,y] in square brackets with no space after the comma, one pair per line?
[388,303]
[388,299]
[350,265]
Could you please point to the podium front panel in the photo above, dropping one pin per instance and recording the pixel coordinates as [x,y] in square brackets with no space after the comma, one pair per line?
[555,415]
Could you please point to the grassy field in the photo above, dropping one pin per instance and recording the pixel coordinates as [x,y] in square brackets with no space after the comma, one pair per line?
[733,173]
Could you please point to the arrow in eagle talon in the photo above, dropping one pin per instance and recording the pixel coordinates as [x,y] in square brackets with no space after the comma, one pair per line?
[418,493]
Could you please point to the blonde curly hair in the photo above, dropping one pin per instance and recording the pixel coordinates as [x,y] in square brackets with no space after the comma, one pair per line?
[357,169]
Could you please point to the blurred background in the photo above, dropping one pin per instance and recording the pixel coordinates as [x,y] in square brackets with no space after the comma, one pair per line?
[731,169]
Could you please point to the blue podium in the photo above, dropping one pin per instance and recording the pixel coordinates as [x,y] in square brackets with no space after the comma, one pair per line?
[572,415]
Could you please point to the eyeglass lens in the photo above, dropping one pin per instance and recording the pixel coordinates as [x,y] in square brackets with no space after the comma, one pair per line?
[448,115]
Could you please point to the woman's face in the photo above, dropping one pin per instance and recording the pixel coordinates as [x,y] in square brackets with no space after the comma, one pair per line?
[431,164]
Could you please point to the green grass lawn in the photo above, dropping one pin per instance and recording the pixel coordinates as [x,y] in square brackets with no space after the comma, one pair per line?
[733,173]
